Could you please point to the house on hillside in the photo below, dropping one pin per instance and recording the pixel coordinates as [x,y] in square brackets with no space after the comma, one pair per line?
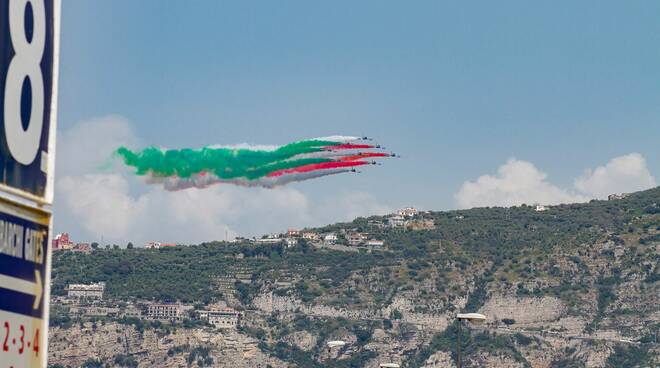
[330,239]
[614,197]
[290,242]
[355,238]
[222,318]
[375,243]
[92,291]
[270,239]
[396,221]
[82,248]
[376,223]
[167,312]
[310,235]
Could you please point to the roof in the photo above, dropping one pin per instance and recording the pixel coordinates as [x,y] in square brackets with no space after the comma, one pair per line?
[473,317]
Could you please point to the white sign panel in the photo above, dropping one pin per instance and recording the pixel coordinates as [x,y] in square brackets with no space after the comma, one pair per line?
[24,277]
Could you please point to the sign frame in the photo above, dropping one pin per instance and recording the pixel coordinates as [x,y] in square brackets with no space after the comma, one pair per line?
[36,208]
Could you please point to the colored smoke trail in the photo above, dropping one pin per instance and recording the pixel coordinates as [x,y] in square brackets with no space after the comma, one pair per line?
[264,166]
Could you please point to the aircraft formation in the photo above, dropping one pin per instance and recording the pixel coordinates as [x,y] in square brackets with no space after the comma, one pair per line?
[253,166]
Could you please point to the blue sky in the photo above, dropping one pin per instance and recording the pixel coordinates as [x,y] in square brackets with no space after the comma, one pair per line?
[457,89]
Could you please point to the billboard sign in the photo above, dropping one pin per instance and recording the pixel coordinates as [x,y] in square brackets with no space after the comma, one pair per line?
[29,53]
[28,76]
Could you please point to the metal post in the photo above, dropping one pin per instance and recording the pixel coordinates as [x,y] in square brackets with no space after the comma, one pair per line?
[458,345]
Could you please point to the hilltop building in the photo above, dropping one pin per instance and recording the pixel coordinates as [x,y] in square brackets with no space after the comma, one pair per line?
[92,291]
[614,197]
[396,221]
[540,208]
[407,212]
[62,242]
[158,245]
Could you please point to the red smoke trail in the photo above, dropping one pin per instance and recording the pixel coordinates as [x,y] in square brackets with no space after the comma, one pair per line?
[364,155]
[319,166]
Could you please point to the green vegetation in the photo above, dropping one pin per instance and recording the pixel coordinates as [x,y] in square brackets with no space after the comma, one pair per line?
[629,357]
[200,355]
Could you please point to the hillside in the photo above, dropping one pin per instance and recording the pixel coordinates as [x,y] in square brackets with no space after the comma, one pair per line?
[560,288]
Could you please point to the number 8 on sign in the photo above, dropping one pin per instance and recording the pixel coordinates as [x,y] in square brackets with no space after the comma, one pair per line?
[24,144]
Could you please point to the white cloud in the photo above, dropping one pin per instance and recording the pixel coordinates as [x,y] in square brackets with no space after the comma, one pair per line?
[98,200]
[518,182]
[88,146]
[100,203]
[627,173]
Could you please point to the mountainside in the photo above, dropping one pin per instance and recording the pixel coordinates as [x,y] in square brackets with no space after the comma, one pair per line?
[567,286]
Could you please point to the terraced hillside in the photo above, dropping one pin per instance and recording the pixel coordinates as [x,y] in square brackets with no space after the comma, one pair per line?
[572,286]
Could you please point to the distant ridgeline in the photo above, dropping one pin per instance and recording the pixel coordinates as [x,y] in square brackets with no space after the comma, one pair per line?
[486,239]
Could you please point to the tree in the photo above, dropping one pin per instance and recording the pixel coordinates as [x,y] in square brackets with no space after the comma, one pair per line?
[129,245]
[95,245]
[115,246]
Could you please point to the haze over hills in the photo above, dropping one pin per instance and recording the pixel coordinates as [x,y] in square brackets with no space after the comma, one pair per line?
[563,286]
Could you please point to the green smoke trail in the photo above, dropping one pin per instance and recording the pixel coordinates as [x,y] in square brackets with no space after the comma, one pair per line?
[225,163]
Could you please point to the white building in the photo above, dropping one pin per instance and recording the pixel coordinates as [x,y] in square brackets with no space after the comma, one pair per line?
[540,208]
[396,221]
[330,239]
[167,312]
[375,243]
[224,318]
[270,239]
[93,290]
[291,242]
[310,235]
[614,197]
[407,212]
